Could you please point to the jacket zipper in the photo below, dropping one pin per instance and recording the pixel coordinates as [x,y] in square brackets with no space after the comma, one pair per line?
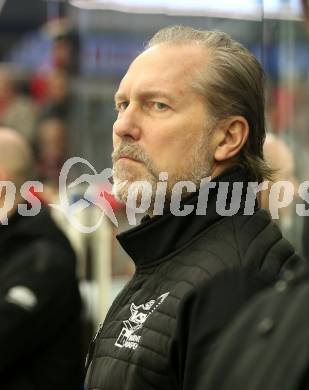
[93,347]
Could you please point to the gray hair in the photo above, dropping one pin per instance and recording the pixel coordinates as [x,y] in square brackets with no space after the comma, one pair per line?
[232,83]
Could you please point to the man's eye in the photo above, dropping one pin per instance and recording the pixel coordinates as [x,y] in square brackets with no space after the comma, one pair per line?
[160,106]
[121,106]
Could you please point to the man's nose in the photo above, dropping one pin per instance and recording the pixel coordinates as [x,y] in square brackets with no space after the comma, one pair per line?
[128,124]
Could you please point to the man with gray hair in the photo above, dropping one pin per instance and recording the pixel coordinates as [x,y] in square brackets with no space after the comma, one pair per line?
[39,297]
[189,107]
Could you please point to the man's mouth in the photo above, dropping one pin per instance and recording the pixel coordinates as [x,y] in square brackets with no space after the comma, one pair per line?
[124,157]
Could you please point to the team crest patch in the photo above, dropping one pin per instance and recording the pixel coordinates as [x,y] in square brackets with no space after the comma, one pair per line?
[139,314]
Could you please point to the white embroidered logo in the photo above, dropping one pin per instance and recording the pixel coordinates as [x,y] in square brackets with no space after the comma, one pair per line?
[22,296]
[127,337]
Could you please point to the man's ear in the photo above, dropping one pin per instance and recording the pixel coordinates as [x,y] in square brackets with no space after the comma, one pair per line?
[232,135]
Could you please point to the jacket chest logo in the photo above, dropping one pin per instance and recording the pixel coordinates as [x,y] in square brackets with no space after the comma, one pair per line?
[139,314]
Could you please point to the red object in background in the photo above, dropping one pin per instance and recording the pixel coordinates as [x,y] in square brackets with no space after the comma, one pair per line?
[282,109]
[39,88]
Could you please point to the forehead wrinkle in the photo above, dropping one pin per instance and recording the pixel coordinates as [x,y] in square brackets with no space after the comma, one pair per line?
[150,93]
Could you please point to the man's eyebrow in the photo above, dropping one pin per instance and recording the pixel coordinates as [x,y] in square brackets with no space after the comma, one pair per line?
[147,94]
[120,96]
[157,93]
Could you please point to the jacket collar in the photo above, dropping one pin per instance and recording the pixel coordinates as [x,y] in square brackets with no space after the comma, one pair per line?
[160,236]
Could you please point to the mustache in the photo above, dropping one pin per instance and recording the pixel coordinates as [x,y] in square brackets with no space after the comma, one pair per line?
[130,150]
[133,150]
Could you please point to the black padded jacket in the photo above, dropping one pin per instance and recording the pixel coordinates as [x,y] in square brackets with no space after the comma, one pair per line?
[39,307]
[139,346]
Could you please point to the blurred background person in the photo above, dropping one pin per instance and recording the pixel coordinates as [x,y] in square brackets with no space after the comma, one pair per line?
[62,59]
[16,110]
[58,99]
[39,297]
[51,149]
[280,157]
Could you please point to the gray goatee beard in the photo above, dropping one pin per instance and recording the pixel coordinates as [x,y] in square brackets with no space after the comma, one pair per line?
[124,178]
[199,166]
